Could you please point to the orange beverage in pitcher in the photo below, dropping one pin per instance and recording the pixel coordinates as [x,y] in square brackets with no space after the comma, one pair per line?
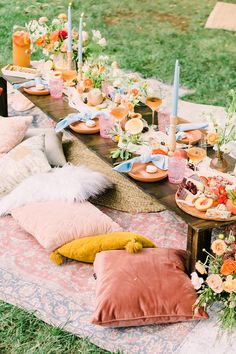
[21,47]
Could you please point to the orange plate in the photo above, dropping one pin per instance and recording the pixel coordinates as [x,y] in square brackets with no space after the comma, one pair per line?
[191,210]
[193,136]
[81,127]
[33,91]
[139,173]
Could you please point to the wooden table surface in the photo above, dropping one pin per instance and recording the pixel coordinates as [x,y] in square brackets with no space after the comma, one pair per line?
[162,190]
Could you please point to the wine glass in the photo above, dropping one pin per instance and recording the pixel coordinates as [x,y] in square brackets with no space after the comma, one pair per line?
[196,154]
[153,101]
[120,112]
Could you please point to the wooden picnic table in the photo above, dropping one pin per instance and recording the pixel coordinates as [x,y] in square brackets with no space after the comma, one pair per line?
[199,230]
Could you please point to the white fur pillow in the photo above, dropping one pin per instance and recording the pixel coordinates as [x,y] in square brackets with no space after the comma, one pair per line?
[21,162]
[69,184]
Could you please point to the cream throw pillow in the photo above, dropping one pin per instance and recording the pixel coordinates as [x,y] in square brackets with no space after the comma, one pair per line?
[12,131]
[53,145]
[54,224]
[21,162]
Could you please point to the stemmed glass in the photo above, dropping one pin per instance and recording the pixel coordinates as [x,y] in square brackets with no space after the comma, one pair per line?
[153,101]
[197,153]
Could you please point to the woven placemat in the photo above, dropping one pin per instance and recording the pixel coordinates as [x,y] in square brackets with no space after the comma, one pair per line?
[223,16]
[125,196]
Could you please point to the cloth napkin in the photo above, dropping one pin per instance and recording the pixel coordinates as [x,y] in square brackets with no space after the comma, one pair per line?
[190,126]
[75,117]
[160,161]
[31,83]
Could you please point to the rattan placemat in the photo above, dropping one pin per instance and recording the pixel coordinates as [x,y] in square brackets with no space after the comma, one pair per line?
[125,196]
[223,16]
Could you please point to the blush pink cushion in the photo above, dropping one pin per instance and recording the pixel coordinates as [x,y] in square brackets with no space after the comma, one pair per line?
[54,224]
[12,131]
[144,288]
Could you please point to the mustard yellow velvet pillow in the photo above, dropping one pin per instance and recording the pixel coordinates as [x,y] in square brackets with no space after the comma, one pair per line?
[86,248]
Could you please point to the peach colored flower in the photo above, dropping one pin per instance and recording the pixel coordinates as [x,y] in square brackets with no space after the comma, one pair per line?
[230,284]
[200,268]
[64,46]
[114,65]
[88,83]
[40,41]
[212,138]
[74,34]
[42,20]
[214,281]
[228,267]
[218,247]
[62,16]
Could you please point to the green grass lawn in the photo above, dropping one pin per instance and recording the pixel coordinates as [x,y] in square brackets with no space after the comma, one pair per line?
[23,333]
[147,36]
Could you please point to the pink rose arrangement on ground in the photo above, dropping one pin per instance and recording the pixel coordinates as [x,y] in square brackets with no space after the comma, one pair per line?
[220,282]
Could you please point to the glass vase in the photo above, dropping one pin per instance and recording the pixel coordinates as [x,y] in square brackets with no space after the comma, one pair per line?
[219,163]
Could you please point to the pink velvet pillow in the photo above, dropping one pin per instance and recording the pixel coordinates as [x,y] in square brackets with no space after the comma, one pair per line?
[54,224]
[12,131]
[142,289]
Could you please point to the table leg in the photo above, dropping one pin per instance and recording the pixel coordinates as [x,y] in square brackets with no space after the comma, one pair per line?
[197,241]
[3,98]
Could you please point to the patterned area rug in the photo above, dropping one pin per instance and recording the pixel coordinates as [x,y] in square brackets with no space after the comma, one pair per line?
[65,296]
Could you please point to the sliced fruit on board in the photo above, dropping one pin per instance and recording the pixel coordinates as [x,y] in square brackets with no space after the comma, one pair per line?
[203,203]
[231,206]
[134,126]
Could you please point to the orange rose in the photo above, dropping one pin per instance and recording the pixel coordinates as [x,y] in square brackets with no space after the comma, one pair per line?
[41,41]
[101,69]
[88,83]
[54,36]
[62,16]
[212,138]
[228,267]
[134,92]
[218,247]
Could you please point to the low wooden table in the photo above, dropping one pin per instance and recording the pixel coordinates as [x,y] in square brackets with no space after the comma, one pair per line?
[199,230]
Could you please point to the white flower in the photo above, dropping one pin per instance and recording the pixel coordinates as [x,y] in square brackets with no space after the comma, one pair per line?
[103,58]
[102,42]
[84,36]
[196,280]
[45,52]
[117,83]
[33,25]
[56,22]
[42,20]
[96,34]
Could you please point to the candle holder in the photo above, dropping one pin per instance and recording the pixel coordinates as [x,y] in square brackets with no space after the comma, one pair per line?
[69,60]
[172,136]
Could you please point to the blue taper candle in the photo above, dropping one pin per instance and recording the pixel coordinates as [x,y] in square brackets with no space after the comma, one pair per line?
[69,47]
[176,90]
[80,45]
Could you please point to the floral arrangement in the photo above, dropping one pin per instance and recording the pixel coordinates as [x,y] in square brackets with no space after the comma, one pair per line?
[220,283]
[223,134]
[51,38]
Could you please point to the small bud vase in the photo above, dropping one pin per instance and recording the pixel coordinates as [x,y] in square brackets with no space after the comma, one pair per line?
[219,163]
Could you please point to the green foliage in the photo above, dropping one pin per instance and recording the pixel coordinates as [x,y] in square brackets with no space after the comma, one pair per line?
[147,36]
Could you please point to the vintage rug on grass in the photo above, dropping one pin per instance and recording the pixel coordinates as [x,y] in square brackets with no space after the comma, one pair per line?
[223,16]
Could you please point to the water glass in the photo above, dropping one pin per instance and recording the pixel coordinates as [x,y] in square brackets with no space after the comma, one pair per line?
[106,123]
[56,87]
[163,121]
[176,169]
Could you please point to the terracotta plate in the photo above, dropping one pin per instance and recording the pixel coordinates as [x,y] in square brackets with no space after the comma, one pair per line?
[191,210]
[33,91]
[193,136]
[139,173]
[81,127]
